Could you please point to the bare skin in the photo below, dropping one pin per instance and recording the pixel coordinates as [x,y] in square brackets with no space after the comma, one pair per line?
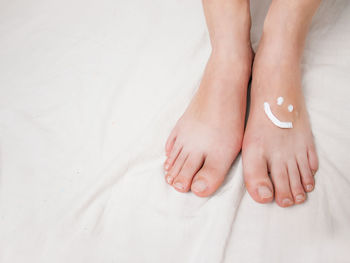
[277,162]
[287,155]
[207,138]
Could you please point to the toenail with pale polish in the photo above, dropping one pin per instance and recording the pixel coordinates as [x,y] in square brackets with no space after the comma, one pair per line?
[166,167]
[287,202]
[299,198]
[179,185]
[264,192]
[199,186]
[309,187]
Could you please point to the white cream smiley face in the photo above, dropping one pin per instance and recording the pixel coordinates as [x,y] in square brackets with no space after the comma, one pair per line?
[274,119]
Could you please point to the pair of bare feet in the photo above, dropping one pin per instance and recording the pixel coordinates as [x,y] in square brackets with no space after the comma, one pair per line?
[277,163]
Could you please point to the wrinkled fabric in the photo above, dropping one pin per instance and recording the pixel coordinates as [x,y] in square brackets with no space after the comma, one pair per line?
[89,91]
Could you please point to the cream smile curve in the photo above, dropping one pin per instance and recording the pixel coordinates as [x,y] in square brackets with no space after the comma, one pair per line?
[274,119]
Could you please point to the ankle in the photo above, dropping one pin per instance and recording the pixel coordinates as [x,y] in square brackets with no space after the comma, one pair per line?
[282,42]
[275,52]
[232,32]
[232,59]
[286,26]
[234,52]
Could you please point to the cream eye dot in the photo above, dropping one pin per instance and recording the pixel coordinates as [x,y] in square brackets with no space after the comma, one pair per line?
[280,101]
[290,107]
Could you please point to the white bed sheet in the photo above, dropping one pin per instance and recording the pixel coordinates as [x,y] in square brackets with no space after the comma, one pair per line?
[89,91]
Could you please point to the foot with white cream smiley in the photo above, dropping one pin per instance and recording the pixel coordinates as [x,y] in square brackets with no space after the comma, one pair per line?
[279,156]
[287,154]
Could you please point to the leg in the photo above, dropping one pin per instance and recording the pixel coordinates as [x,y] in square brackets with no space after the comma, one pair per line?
[287,154]
[208,136]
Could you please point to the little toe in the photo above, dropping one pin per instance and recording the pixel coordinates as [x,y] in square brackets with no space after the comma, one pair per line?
[191,166]
[307,178]
[172,156]
[280,180]
[176,168]
[295,183]
[256,177]
[313,159]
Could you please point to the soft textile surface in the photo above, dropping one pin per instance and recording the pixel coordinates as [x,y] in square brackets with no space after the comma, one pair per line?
[89,91]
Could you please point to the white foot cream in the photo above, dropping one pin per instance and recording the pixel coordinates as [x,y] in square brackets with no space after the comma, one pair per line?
[274,119]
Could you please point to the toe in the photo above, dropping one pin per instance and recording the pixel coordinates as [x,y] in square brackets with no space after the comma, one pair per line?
[307,178]
[313,159]
[175,169]
[191,166]
[170,142]
[173,155]
[256,177]
[209,178]
[295,183]
[280,180]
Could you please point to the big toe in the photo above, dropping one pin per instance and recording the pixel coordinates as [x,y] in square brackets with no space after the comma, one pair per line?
[256,177]
[192,164]
[209,178]
[212,174]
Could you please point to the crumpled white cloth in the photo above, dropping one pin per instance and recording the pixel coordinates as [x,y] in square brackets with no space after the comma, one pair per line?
[89,91]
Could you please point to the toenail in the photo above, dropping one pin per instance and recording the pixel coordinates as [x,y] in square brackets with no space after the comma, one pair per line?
[179,185]
[299,198]
[309,187]
[166,167]
[287,202]
[199,186]
[169,179]
[264,192]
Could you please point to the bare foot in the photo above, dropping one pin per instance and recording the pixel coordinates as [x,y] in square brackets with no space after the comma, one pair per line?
[208,136]
[287,154]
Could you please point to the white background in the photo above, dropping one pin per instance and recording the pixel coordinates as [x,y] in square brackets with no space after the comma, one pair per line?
[89,91]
